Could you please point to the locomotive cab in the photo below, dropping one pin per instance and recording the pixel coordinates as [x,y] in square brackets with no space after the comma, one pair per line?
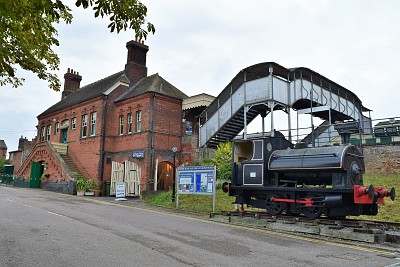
[250,158]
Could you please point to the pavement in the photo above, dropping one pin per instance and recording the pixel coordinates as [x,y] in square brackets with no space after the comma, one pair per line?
[138,203]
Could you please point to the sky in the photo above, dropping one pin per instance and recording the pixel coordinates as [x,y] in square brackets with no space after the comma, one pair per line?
[199,46]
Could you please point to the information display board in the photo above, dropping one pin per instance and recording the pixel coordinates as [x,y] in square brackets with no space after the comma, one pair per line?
[196,180]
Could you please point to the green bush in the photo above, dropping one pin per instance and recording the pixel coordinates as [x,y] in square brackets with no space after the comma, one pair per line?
[90,185]
[80,184]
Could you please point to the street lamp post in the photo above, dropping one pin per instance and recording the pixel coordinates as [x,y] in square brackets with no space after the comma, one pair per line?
[174,149]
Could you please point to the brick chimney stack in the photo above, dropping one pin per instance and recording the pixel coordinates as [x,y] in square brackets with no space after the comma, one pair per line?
[135,68]
[72,81]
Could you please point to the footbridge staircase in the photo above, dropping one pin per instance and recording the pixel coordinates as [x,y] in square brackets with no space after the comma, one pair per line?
[264,88]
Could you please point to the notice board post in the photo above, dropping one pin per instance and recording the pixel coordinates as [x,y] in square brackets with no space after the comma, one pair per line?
[196,180]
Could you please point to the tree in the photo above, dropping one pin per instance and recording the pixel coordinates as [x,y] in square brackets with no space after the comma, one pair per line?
[2,163]
[28,33]
[222,160]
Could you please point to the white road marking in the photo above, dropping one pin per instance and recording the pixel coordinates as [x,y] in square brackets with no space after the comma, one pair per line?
[56,214]
[19,203]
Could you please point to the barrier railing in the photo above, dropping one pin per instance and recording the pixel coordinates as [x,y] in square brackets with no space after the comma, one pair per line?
[13,180]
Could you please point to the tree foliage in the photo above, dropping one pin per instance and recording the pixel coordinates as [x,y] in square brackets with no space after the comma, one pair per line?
[222,160]
[28,33]
[2,163]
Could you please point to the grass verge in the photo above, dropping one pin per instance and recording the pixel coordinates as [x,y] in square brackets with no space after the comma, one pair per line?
[390,211]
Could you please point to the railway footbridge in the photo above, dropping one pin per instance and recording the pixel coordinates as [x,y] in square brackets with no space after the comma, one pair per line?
[265,88]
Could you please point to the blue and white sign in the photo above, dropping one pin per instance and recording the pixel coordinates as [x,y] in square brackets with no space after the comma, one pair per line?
[198,180]
[138,154]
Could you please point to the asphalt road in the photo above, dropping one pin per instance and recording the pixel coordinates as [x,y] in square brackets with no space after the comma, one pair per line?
[40,228]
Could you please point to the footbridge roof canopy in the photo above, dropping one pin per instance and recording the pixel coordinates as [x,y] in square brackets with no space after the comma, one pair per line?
[261,70]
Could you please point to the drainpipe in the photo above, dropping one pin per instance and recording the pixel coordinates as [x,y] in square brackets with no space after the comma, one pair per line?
[153,110]
[103,136]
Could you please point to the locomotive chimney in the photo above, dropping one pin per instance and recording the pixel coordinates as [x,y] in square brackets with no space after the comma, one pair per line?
[345,137]
[346,129]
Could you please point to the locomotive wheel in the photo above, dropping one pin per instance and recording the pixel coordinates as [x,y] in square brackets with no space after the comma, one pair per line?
[275,208]
[312,212]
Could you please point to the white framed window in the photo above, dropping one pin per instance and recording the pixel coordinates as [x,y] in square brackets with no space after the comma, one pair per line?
[42,133]
[121,125]
[138,121]
[93,123]
[129,124]
[57,128]
[48,132]
[84,125]
[73,123]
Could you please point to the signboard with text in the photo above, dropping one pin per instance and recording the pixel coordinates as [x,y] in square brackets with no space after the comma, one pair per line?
[138,154]
[196,180]
[120,190]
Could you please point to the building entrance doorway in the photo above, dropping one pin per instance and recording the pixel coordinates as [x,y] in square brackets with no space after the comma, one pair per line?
[165,175]
[37,169]
[64,136]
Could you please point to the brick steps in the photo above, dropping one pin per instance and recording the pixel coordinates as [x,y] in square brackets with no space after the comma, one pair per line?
[60,148]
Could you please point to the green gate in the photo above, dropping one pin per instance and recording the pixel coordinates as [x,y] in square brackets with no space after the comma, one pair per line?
[36,172]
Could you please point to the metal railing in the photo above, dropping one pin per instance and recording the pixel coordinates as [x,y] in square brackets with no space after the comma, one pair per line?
[14,180]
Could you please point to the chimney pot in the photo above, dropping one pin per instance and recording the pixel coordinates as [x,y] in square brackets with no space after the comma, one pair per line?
[72,81]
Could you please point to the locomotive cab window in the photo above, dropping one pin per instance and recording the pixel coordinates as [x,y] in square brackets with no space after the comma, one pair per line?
[242,151]
[248,150]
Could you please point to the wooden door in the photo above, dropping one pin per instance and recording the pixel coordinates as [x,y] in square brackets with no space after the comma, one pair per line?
[132,178]
[36,172]
[165,175]
[64,136]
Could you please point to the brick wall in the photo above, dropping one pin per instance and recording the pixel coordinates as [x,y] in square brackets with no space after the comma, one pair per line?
[383,159]
[16,159]
[166,113]
[84,151]
[3,153]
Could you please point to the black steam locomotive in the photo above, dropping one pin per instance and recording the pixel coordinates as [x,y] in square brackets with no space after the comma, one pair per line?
[268,173]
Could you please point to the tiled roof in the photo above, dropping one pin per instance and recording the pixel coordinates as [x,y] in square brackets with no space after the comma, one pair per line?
[388,123]
[153,84]
[87,92]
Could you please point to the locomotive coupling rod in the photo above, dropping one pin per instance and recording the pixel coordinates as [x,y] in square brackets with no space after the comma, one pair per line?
[308,202]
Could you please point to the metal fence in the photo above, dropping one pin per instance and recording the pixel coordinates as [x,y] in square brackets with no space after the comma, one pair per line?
[13,180]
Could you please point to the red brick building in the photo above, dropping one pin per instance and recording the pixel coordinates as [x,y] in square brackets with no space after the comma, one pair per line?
[17,157]
[120,128]
[3,149]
